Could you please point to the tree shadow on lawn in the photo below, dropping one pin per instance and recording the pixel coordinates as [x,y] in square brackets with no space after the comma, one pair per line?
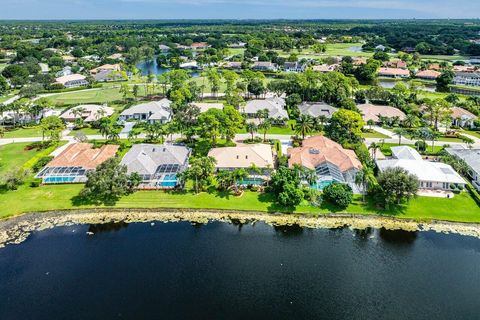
[267,197]
[372,205]
[80,200]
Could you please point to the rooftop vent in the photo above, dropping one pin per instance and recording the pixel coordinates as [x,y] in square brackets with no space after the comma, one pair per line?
[314,151]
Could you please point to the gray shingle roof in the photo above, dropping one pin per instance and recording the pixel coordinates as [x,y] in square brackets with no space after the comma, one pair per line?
[146,158]
[275,107]
[316,109]
[157,109]
[470,156]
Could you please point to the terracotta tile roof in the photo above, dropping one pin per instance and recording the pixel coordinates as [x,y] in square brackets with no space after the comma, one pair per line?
[83,155]
[428,74]
[318,149]
[112,67]
[71,77]
[393,72]
[243,156]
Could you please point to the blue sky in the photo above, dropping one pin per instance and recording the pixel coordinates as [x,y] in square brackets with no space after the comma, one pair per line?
[237,9]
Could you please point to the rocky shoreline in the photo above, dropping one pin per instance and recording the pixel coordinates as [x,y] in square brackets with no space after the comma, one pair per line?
[15,230]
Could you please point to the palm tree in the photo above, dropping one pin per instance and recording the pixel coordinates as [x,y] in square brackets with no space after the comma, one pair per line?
[104,126]
[363,179]
[251,128]
[114,133]
[411,121]
[304,125]
[238,175]
[265,125]
[374,147]
[370,123]
[434,135]
[399,132]
[310,176]
[2,132]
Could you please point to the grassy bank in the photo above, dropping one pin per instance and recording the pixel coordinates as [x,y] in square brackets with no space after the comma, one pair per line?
[461,208]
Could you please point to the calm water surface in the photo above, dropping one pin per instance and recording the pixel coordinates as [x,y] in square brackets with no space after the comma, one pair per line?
[227,271]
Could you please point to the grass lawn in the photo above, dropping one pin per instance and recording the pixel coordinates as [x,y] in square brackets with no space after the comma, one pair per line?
[14,155]
[85,131]
[87,96]
[449,139]
[56,197]
[385,148]
[472,133]
[374,134]
[23,132]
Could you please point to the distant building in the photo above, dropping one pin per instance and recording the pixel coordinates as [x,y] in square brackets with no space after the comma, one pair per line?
[163,48]
[155,111]
[294,67]
[431,175]
[116,56]
[380,48]
[264,66]
[467,78]
[393,73]
[399,64]
[73,163]
[72,81]
[317,109]
[106,67]
[157,164]
[324,68]
[237,45]
[428,74]
[199,45]
[44,69]
[236,65]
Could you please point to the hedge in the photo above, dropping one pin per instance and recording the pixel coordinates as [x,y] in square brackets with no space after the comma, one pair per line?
[474,193]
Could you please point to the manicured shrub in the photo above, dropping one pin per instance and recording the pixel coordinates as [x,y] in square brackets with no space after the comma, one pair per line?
[338,194]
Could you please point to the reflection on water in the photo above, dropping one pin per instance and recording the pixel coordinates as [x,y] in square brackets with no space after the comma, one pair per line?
[107,227]
[151,66]
[239,271]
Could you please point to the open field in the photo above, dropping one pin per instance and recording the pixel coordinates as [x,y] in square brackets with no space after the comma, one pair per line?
[23,132]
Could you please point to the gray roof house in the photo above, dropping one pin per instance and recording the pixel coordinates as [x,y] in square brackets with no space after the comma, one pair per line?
[294,67]
[154,111]
[472,159]
[317,109]
[157,164]
[275,106]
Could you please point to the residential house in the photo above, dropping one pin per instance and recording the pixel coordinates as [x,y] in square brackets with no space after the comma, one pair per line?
[44,69]
[431,175]
[359,60]
[467,78]
[464,68]
[73,163]
[294,67]
[380,47]
[72,81]
[204,107]
[87,112]
[398,64]
[331,162]
[324,68]
[244,157]
[472,158]
[199,46]
[264,66]
[275,106]
[106,67]
[66,71]
[154,111]
[428,74]
[237,45]
[68,58]
[317,109]
[393,73]
[163,48]
[157,164]
[235,65]
[109,76]
[116,56]
[463,118]
[189,65]
[373,112]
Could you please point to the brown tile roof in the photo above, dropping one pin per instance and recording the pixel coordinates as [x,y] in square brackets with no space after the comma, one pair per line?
[428,74]
[371,112]
[243,156]
[393,72]
[83,155]
[458,113]
[318,149]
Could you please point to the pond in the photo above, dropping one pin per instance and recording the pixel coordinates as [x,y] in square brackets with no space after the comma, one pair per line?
[238,271]
[389,84]
[151,66]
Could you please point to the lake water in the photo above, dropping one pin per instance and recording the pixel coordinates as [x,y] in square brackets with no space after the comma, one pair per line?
[389,84]
[228,271]
[151,66]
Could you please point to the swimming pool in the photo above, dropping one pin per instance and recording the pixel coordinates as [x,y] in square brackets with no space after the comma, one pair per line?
[251,181]
[168,181]
[320,185]
[58,179]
